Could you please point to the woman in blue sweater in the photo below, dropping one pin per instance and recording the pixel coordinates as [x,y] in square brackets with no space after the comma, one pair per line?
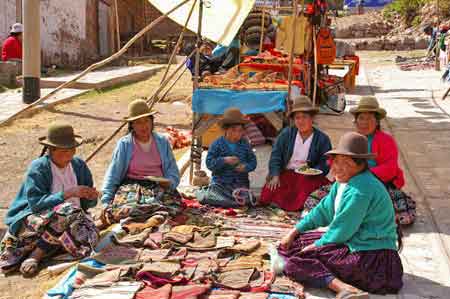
[143,168]
[296,146]
[359,250]
[50,209]
[230,159]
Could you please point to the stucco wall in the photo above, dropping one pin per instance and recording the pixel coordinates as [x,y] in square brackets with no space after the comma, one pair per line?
[63,28]
[7,17]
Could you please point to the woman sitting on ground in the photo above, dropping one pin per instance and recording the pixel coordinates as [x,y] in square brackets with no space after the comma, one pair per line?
[230,158]
[50,209]
[359,250]
[295,147]
[385,165]
[143,164]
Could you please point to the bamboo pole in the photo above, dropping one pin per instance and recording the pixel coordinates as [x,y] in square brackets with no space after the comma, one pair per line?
[261,40]
[291,53]
[196,81]
[437,65]
[172,85]
[180,39]
[116,10]
[151,98]
[315,67]
[96,65]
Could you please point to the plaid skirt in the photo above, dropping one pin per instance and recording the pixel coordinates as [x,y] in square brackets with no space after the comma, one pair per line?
[65,226]
[404,205]
[374,271]
[138,200]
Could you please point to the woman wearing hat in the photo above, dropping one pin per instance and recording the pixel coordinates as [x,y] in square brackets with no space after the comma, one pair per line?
[12,46]
[295,147]
[359,251]
[142,159]
[384,166]
[49,211]
[230,159]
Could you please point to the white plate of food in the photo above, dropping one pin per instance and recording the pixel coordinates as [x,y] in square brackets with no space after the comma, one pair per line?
[308,171]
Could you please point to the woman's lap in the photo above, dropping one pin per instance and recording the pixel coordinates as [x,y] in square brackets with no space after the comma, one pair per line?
[140,199]
[377,271]
[65,226]
[293,191]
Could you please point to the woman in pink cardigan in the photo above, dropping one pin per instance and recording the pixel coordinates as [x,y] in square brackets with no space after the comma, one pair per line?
[385,166]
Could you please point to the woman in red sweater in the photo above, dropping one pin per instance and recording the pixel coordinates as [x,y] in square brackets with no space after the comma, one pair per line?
[385,166]
[12,47]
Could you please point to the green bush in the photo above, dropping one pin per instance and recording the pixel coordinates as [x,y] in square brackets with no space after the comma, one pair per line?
[416,21]
[408,9]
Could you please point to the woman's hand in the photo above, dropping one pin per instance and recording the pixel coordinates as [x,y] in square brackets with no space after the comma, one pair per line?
[309,247]
[241,168]
[274,183]
[287,240]
[165,184]
[231,160]
[81,192]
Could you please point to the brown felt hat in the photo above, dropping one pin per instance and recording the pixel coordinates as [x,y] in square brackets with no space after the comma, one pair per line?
[138,109]
[233,116]
[369,104]
[303,104]
[61,136]
[354,145]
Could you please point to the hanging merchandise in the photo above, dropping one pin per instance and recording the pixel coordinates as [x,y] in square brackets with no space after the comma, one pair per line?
[326,48]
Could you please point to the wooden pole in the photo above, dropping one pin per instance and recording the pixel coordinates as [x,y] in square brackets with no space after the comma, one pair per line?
[116,10]
[150,99]
[291,53]
[96,65]
[180,39]
[437,51]
[198,44]
[261,40]
[315,67]
[195,116]
[172,85]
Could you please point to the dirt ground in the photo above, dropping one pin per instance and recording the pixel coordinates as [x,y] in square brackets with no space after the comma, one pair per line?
[94,116]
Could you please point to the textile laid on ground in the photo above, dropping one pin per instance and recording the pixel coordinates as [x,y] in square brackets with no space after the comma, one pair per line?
[186,257]
[66,226]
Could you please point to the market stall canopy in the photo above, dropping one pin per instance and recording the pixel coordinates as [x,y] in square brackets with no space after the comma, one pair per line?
[221,18]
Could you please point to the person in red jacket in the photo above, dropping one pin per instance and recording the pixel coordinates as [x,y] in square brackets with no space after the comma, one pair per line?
[12,47]
[385,165]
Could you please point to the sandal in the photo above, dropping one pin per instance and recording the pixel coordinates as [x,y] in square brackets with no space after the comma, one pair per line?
[29,267]
[346,294]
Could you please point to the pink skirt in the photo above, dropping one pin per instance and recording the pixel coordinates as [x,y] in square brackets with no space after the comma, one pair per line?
[293,191]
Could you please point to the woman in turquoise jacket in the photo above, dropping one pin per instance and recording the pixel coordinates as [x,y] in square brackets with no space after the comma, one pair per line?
[359,251]
[142,163]
[50,209]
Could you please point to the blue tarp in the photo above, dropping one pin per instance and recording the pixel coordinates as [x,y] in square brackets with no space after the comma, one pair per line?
[216,101]
[367,3]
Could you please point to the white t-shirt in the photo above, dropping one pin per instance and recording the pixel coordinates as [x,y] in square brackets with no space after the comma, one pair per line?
[64,179]
[338,198]
[301,151]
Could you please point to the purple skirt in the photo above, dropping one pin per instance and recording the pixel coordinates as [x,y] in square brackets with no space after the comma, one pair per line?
[375,271]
